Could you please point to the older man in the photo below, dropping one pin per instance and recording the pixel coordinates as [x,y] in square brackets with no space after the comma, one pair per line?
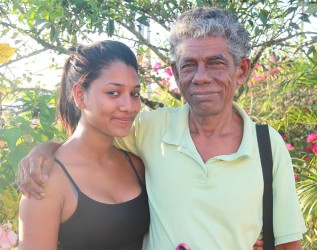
[203,171]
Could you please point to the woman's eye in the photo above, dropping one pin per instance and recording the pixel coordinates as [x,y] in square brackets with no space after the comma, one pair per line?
[135,94]
[113,93]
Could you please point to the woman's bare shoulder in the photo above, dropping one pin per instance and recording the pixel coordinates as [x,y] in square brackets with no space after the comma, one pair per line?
[139,166]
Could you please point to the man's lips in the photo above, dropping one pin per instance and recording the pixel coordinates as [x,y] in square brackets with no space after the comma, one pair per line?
[204,94]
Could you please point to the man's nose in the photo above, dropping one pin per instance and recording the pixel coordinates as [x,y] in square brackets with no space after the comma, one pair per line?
[202,75]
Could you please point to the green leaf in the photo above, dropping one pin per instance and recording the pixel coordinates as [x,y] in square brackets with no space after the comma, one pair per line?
[143,20]
[11,136]
[304,17]
[263,16]
[110,28]
[295,25]
[16,155]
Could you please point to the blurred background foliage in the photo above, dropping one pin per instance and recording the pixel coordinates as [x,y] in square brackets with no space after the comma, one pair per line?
[281,91]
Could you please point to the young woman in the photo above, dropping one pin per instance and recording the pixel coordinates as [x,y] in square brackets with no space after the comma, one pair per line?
[96,198]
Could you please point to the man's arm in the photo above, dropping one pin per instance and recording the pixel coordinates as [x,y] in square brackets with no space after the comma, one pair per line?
[294,245]
[35,168]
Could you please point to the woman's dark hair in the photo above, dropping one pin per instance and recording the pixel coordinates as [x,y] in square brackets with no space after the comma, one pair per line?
[82,67]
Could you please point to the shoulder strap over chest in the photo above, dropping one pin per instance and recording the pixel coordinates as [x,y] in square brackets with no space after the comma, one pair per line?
[267,168]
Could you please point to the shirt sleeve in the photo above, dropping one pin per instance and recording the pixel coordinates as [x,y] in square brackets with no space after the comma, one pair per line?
[288,220]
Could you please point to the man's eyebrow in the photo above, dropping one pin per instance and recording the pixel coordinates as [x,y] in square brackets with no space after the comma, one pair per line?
[217,57]
[186,59]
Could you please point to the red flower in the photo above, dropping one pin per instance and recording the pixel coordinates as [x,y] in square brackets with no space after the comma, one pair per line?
[307,159]
[311,138]
[309,148]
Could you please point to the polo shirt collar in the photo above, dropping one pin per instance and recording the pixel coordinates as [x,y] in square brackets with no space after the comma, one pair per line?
[177,133]
[177,129]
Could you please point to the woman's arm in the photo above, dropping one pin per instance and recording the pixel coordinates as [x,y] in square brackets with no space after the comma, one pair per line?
[39,220]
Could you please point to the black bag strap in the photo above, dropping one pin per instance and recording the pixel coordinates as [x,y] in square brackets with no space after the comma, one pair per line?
[265,150]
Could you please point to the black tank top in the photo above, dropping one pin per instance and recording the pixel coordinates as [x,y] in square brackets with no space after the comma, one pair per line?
[96,225]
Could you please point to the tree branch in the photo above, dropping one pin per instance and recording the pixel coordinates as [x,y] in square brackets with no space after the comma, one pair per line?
[144,41]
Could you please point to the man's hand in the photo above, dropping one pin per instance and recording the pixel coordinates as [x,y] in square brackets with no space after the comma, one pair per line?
[35,168]
[258,245]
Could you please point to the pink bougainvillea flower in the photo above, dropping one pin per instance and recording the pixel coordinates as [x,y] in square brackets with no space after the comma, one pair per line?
[8,238]
[157,66]
[256,66]
[274,71]
[35,121]
[290,146]
[296,177]
[311,138]
[314,149]
[168,71]
[164,82]
[175,90]
[12,237]
[272,58]
[257,78]
[264,76]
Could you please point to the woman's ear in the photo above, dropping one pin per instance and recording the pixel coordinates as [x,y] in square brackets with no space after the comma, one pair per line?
[78,93]
[244,70]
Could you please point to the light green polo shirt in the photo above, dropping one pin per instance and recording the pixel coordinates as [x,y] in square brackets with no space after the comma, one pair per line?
[213,205]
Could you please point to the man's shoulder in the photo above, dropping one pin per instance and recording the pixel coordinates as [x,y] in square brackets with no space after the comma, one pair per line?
[159,113]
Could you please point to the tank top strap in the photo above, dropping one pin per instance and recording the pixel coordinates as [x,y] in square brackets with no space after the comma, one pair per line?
[133,167]
[72,182]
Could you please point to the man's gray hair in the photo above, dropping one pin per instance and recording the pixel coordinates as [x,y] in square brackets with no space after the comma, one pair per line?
[214,22]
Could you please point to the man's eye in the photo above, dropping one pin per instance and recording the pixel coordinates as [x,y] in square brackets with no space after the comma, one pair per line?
[187,65]
[215,63]
[135,94]
[113,93]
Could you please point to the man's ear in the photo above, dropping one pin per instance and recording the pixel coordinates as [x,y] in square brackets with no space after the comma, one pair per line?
[244,70]
[78,93]
[175,72]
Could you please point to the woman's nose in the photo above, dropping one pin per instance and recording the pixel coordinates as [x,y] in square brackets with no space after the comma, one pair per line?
[128,104]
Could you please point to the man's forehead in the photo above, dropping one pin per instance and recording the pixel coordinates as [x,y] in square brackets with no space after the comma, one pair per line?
[203,47]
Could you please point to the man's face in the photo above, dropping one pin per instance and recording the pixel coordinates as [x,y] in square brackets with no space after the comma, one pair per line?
[207,75]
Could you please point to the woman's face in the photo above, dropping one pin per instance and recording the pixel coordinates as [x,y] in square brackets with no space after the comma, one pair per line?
[112,101]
